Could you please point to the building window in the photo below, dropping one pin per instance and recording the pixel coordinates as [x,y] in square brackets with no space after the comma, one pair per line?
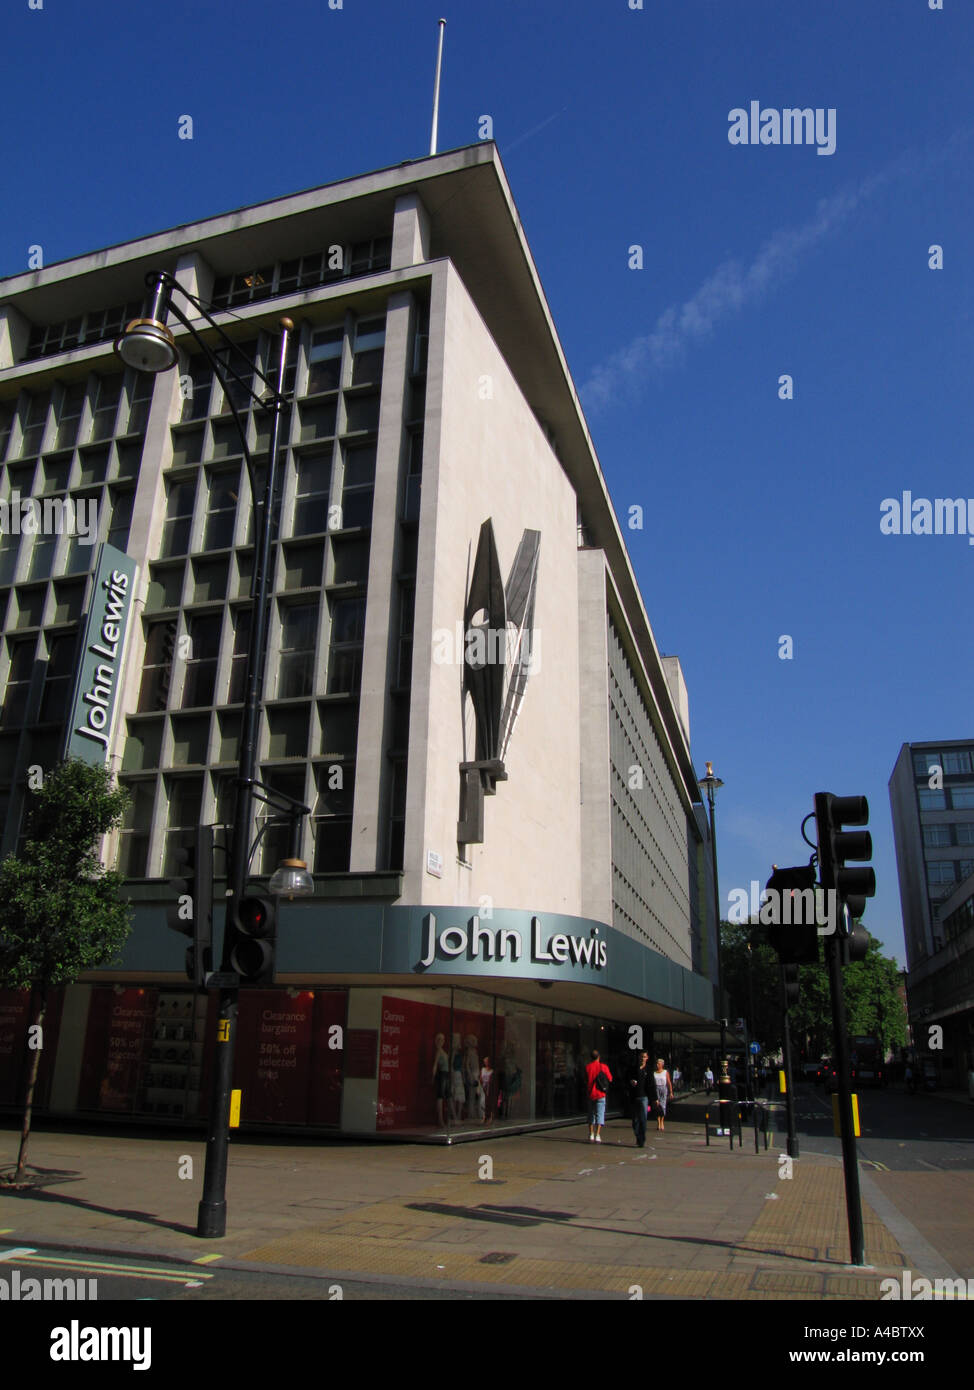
[962,797]
[407,597]
[277,823]
[201,660]
[965,832]
[299,631]
[940,872]
[133,851]
[937,836]
[179,518]
[185,804]
[414,478]
[9,550]
[18,681]
[118,527]
[367,351]
[140,399]
[956,762]
[325,360]
[196,385]
[311,494]
[333,818]
[6,425]
[931,800]
[239,369]
[69,416]
[221,509]
[160,645]
[61,650]
[359,485]
[107,396]
[238,659]
[347,635]
[34,422]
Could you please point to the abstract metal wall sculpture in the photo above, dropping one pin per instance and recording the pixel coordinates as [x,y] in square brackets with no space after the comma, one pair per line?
[498,622]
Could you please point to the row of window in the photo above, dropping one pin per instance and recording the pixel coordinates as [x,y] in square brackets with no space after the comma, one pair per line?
[941,836]
[949,762]
[945,873]
[182,811]
[338,262]
[959,797]
[77,414]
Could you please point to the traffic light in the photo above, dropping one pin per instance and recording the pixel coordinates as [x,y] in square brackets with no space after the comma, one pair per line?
[856,944]
[254,929]
[835,845]
[192,913]
[790,914]
[789,979]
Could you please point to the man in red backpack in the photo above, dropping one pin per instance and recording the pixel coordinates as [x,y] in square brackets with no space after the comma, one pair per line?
[597,1076]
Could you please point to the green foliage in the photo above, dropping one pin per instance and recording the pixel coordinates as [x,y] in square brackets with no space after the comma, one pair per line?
[871,988]
[60,911]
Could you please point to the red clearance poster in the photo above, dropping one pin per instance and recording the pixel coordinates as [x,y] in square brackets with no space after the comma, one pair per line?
[405,1097]
[273,1055]
[14,1018]
[16,1011]
[328,1056]
[117,1040]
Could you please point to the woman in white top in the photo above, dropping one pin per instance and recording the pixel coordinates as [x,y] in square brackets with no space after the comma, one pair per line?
[664,1091]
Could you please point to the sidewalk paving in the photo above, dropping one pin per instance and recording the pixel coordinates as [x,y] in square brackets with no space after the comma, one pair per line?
[549,1213]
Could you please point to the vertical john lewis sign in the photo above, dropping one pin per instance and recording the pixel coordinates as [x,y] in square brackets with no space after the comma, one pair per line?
[95,702]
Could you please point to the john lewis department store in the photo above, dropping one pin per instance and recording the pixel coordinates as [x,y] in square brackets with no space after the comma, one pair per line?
[510,856]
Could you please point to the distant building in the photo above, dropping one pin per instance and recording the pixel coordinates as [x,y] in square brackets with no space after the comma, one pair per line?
[932,801]
[524,869]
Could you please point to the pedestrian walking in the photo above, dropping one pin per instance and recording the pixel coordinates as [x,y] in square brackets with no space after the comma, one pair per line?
[664,1091]
[597,1076]
[640,1085]
[708,1077]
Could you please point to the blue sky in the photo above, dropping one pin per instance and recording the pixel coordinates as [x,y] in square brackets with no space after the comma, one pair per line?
[761,516]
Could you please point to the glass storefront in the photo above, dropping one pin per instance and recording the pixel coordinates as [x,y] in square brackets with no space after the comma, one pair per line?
[426,1062]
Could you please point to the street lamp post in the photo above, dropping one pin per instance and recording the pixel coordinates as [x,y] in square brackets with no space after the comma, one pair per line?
[711,783]
[148,345]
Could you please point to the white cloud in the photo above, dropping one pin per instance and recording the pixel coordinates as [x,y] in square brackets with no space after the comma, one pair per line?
[731,286]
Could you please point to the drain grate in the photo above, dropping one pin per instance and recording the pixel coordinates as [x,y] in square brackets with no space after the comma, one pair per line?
[497,1257]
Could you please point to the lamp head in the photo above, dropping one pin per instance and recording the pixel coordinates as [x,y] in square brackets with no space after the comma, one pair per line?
[147,345]
[292,880]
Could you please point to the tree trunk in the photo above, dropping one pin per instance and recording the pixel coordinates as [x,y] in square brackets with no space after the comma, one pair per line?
[40,1009]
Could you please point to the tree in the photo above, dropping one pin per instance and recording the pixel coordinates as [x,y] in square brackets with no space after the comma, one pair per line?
[871,989]
[61,912]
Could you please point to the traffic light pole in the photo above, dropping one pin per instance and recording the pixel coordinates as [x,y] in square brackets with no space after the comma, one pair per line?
[211,1219]
[792,1145]
[851,887]
[850,1161]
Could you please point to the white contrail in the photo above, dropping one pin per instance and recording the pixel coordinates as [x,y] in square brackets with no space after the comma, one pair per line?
[731,286]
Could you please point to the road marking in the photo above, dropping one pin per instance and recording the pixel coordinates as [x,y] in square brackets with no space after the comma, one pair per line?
[207,1259]
[18,1252]
[169,1276]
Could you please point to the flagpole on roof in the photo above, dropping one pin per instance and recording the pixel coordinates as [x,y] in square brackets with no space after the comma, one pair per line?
[436,88]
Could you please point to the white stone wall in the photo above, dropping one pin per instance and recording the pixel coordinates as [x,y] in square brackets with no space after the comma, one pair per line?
[486,456]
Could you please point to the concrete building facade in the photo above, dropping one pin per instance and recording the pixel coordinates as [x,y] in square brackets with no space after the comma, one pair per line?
[526,880]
